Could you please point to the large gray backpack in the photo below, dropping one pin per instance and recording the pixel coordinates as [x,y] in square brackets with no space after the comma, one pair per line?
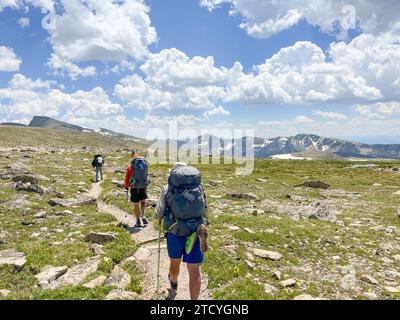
[139,177]
[186,198]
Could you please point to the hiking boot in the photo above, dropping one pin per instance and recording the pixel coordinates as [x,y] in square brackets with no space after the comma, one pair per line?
[202,232]
[145,222]
[138,224]
[123,225]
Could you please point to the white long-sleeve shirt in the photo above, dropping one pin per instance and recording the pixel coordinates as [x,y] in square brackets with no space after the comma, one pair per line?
[161,205]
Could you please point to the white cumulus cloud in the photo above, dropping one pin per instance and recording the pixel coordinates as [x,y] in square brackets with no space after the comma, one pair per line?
[8,60]
[24,22]
[264,18]
[330,115]
[103,30]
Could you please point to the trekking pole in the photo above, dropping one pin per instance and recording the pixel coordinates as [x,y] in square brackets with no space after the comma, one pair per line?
[127,205]
[159,261]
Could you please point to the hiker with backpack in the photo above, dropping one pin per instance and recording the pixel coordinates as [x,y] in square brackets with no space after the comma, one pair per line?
[182,206]
[98,163]
[136,180]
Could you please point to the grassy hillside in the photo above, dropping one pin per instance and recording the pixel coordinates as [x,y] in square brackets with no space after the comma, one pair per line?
[11,136]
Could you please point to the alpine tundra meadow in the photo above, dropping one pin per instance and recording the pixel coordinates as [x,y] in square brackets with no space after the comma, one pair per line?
[199,150]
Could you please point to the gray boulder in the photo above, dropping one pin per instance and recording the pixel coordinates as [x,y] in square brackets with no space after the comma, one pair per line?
[13,258]
[18,201]
[73,203]
[315,185]
[99,237]
[119,278]
[265,254]
[75,275]
[119,294]
[242,196]
[49,275]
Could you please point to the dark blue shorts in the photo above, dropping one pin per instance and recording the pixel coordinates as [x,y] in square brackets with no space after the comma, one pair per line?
[176,249]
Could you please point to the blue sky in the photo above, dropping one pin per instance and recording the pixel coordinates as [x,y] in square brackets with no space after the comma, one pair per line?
[135,65]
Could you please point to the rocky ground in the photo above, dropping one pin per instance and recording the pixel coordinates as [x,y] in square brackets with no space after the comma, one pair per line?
[291,230]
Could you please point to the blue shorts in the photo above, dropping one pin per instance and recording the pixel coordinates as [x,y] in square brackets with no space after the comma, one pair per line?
[176,249]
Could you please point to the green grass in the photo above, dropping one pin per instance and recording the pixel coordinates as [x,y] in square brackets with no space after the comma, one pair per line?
[307,246]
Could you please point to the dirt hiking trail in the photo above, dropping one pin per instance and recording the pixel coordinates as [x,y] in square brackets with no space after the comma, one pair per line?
[147,255]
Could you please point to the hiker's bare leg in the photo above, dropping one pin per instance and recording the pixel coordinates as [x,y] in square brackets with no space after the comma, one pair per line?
[143,208]
[194,280]
[137,210]
[174,270]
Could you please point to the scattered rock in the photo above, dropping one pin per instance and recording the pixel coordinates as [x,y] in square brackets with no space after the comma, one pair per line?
[277,275]
[4,293]
[370,295]
[349,281]
[249,256]
[248,230]
[317,210]
[396,257]
[75,275]
[99,237]
[18,201]
[250,264]
[98,282]
[270,255]
[118,183]
[213,196]
[262,180]
[26,178]
[97,249]
[119,278]
[315,185]
[369,279]
[115,194]
[392,289]
[64,213]
[119,294]
[320,210]
[305,297]
[269,289]
[386,260]
[13,258]
[230,249]
[141,257]
[49,275]
[28,187]
[41,215]
[3,237]
[397,193]
[242,196]
[233,228]
[288,283]
[398,212]
[73,203]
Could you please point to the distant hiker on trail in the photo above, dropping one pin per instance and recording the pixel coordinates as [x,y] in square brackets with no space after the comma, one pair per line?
[136,180]
[98,163]
[182,206]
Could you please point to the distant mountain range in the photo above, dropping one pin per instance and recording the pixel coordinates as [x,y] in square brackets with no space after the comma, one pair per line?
[46,122]
[301,145]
